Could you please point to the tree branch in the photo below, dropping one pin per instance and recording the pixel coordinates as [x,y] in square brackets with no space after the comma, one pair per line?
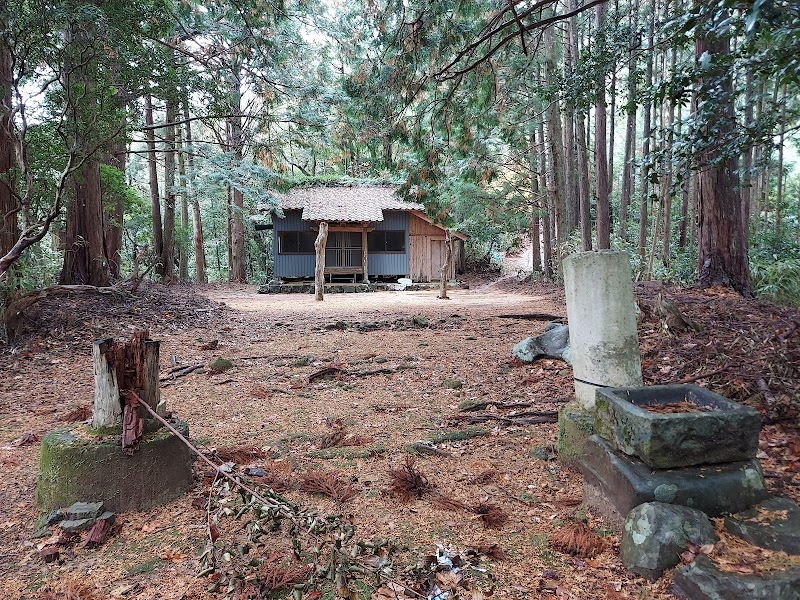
[446,73]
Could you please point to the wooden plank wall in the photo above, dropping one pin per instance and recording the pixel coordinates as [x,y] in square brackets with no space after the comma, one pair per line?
[426,250]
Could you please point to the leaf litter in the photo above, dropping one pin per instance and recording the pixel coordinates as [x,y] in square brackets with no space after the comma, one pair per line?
[747,351]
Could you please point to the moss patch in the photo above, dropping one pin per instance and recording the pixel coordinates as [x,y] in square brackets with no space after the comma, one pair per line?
[459,435]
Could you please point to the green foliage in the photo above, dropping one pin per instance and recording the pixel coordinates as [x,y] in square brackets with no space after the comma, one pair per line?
[777,280]
[115,188]
[775,268]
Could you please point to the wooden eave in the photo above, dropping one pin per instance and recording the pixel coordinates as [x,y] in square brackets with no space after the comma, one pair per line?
[424,217]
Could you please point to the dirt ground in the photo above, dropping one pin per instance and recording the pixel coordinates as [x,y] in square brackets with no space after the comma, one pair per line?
[394,383]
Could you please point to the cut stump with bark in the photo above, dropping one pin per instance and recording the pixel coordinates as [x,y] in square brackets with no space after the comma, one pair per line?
[125,373]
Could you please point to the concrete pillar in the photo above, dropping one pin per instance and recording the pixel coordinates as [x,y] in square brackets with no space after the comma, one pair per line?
[602,323]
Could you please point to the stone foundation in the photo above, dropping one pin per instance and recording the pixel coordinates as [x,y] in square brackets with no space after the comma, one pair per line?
[627,482]
[76,467]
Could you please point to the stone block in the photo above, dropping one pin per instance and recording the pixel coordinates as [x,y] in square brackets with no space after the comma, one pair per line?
[76,524]
[655,534]
[575,425]
[84,510]
[774,524]
[702,580]
[75,466]
[728,432]
[627,482]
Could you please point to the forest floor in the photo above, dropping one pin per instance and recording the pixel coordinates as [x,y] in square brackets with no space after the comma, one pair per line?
[394,383]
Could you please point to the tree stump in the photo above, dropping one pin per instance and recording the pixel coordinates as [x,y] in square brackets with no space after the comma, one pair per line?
[124,374]
[77,464]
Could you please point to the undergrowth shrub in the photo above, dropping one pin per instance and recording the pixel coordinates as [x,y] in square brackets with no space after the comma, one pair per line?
[777,280]
[775,268]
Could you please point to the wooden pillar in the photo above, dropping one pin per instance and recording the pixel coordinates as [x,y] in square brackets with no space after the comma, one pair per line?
[364,253]
[151,393]
[319,270]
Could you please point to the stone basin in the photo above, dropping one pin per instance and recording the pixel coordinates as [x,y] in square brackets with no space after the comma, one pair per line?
[724,432]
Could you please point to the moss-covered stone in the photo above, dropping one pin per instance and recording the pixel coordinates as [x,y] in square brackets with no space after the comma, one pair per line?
[459,435]
[575,425]
[76,467]
[349,452]
[220,364]
[720,432]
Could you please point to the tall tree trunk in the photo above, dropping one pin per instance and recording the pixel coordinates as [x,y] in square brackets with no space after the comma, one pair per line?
[85,261]
[613,118]
[556,149]
[229,226]
[766,171]
[584,185]
[115,213]
[600,148]
[666,183]
[197,221]
[659,147]
[723,240]
[644,174]
[536,241]
[630,127]
[183,239]
[685,179]
[758,153]
[155,196]
[168,253]
[747,156]
[9,226]
[237,271]
[571,191]
[779,191]
[582,162]
[547,241]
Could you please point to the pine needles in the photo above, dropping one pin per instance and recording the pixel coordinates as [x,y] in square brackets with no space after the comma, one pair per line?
[329,484]
[577,539]
[408,482]
[491,515]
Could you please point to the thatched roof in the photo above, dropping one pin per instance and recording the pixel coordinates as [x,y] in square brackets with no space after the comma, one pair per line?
[358,203]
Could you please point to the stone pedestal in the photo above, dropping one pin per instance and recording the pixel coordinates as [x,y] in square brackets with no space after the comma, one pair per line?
[602,322]
[701,579]
[575,425]
[75,466]
[677,444]
[615,483]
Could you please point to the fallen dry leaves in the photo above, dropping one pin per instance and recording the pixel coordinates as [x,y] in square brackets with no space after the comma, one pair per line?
[748,351]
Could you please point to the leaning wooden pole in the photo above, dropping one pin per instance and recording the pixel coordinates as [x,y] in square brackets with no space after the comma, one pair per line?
[444,272]
[319,271]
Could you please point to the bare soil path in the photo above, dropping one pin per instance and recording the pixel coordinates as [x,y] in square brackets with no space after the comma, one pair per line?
[396,383]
